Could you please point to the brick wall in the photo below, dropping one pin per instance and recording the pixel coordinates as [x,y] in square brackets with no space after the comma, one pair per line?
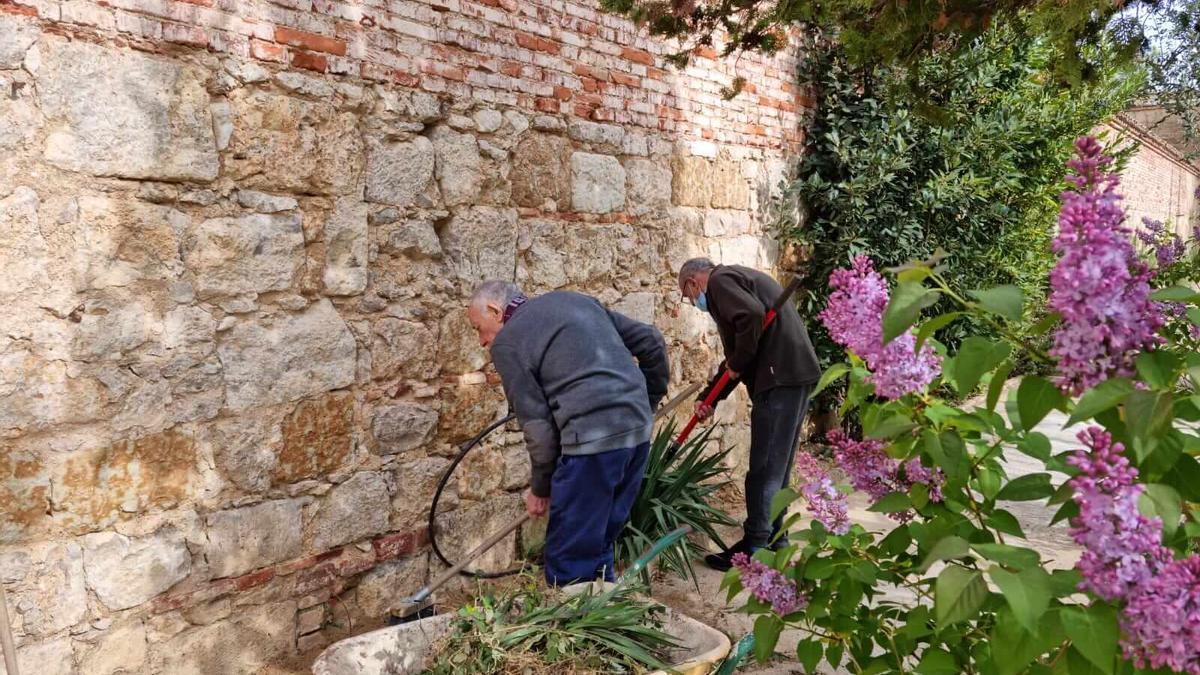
[237,238]
[1157,183]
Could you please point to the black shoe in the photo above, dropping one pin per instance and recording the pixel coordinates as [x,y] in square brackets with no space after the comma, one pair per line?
[724,560]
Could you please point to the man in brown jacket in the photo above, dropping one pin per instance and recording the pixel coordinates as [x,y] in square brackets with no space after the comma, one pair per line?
[779,369]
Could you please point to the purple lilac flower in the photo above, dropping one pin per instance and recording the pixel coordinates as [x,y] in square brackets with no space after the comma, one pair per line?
[1098,286]
[1167,246]
[1161,623]
[1121,546]
[873,472]
[823,500]
[854,318]
[769,585]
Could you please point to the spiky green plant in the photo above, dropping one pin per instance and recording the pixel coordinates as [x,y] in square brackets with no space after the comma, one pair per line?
[677,490]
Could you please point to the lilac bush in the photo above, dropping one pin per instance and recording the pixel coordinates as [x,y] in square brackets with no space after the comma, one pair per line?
[822,498]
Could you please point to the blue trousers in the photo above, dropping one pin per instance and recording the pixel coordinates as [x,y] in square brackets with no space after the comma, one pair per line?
[590,500]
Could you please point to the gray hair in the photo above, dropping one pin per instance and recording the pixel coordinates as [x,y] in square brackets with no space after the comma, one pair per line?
[695,267]
[495,291]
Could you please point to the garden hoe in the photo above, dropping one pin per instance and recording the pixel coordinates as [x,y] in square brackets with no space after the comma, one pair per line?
[420,604]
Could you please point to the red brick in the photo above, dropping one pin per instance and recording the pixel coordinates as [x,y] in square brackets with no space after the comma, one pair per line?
[705,52]
[562,93]
[309,41]
[268,51]
[584,70]
[202,3]
[603,115]
[627,80]
[255,579]
[397,545]
[537,44]
[706,132]
[316,578]
[511,68]
[749,88]
[8,7]
[637,56]
[309,61]
[406,79]
[549,105]
[590,85]
[656,73]
[185,35]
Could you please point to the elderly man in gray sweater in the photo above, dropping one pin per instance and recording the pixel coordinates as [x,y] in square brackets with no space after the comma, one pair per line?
[583,381]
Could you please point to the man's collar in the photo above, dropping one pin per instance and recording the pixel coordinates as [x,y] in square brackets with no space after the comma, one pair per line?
[512,306]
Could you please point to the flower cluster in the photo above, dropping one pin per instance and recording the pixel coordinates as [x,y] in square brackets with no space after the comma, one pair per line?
[854,318]
[1167,246]
[1123,560]
[769,585]
[1098,286]
[824,501]
[872,471]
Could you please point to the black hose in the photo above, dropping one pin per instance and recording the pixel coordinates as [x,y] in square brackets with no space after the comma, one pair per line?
[437,495]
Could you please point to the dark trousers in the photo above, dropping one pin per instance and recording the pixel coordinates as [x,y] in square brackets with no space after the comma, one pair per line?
[590,500]
[775,419]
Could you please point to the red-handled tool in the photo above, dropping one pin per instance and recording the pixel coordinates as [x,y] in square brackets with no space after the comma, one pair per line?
[725,378]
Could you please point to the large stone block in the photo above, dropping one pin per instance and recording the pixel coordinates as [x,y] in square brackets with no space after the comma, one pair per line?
[354,510]
[543,262]
[403,427]
[383,589]
[125,572]
[607,137]
[541,170]
[416,238]
[121,241]
[285,144]
[49,657]
[255,253]
[467,527]
[416,482]
[57,597]
[647,186]
[33,271]
[120,649]
[245,539]
[24,492]
[691,181]
[640,306]
[481,243]
[36,393]
[402,348]
[468,408]
[246,644]
[287,357]
[459,350]
[156,122]
[346,248]
[458,166]
[399,172]
[517,470]
[17,35]
[480,474]
[730,189]
[112,325]
[245,448]
[597,183]
[20,121]
[317,438]
[95,488]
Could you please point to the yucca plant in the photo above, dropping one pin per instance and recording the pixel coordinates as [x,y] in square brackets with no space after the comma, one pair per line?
[677,488]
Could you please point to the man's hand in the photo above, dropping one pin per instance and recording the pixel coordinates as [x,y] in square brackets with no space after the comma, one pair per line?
[703,411]
[536,506]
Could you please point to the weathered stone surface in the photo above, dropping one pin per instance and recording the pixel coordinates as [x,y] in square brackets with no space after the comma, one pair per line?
[95,488]
[24,492]
[310,620]
[488,120]
[14,566]
[36,393]
[516,121]
[603,136]
[403,427]
[397,172]
[282,143]
[242,540]
[402,348]
[517,470]
[468,408]
[17,35]
[480,474]
[384,588]
[346,248]
[20,119]
[691,181]
[638,306]
[467,527]
[244,645]
[124,572]
[541,170]
[415,484]
[249,254]
[245,449]
[726,223]
[459,349]
[414,105]
[265,203]
[27,257]
[120,649]
[287,357]
[317,437]
[635,143]
[416,238]
[149,103]
[597,183]
[57,598]
[304,84]
[121,242]
[730,190]
[542,264]
[458,166]
[49,657]
[112,325]
[351,511]
[481,243]
[647,185]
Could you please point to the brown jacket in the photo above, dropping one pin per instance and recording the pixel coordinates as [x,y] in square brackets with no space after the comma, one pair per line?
[738,299]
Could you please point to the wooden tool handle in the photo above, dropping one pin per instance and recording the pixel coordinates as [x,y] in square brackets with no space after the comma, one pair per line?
[470,557]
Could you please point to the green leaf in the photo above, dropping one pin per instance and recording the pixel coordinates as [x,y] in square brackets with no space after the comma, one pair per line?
[1044,324]
[1036,445]
[947,548]
[766,635]
[1005,301]
[893,502]
[934,325]
[1035,398]
[891,427]
[1162,501]
[938,662]
[1026,488]
[808,653]
[1094,632]
[905,307]
[976,357]
[1013,556]
[832,374]
[996,386]
[1175,294]
[782,500]
[958,595]
[1148,413]
[1158,368]
[1003,521]
[1014,648]
[1100,398]
[1067,510]
[1027,593]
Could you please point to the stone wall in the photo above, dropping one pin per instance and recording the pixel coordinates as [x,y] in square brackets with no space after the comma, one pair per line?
[236,240]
